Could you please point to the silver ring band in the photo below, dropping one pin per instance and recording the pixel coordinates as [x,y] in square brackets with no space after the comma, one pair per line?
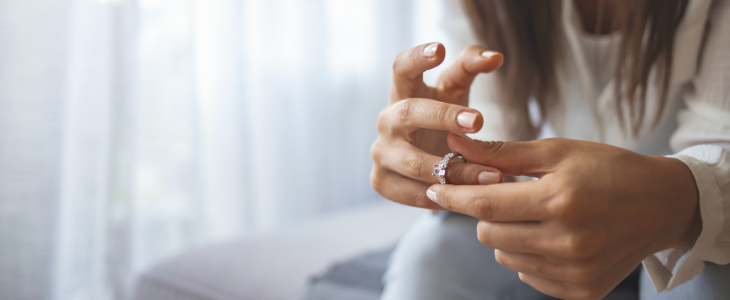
[440,169]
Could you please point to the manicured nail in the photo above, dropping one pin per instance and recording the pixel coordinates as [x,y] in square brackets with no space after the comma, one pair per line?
[466,119]
[487,177]
[488,54]
[430,50]
[432,195]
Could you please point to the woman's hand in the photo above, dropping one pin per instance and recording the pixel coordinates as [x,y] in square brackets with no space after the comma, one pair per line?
[414,125]
[594,214]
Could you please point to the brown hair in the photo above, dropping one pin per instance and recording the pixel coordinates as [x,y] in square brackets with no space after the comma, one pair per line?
[525,30]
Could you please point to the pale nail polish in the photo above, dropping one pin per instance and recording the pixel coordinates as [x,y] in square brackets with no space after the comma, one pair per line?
[432,195]
[466,119]
[487,177]
[488,54]
[430,50]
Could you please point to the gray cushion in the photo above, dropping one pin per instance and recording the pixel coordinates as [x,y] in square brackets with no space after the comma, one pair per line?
[275,265]
[358,278]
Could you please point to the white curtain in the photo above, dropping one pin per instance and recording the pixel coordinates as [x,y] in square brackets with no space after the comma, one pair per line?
[133,130]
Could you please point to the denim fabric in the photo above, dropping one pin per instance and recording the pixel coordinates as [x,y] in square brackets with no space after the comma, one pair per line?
[440,257]
[712,284]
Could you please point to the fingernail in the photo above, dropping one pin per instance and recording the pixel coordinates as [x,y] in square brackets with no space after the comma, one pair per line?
[430,50]
[488,54]
[432,195]
[466,119]
[487,177]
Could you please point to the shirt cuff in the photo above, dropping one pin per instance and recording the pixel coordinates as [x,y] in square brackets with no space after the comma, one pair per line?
[661,266]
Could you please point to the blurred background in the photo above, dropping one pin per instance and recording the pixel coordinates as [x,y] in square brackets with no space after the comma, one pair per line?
[134,130]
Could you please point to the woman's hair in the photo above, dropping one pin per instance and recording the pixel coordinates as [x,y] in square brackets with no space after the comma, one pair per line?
[528,31]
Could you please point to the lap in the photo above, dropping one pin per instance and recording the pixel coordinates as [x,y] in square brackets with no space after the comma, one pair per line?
[440,257]
[711,284]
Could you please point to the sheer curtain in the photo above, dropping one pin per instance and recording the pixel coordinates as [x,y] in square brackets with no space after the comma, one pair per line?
[132,130]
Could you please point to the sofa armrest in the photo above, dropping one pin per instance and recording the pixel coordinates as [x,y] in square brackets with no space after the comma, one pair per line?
[275,265]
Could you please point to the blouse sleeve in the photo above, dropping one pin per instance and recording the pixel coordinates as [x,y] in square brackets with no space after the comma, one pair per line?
[702,142]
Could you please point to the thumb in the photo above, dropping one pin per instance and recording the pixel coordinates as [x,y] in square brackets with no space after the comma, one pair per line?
[467,65]
[532,158]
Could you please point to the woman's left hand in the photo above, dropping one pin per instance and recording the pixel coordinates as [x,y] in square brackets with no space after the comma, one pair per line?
[594,214]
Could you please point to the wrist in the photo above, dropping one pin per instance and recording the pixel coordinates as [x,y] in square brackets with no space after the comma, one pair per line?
[683,196]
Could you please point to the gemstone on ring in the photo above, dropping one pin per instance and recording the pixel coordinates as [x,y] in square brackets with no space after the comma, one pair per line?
[440,169]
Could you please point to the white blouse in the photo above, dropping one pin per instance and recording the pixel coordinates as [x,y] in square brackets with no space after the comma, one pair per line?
[694,128]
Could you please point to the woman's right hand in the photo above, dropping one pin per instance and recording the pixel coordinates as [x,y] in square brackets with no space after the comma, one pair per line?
[413,127]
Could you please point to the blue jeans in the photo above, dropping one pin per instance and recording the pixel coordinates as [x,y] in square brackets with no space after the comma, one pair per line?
[440,257]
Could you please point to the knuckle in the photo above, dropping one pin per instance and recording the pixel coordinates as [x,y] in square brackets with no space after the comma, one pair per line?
[572,246]
[455,89]
[498,256]
[584,273]
[578,246]
[493,146]
[475,48]
[483,208]
[376,180]
[420,200]
[398,62]
[382,123]
[402,64]
[459,175]
[483,237]
[556,209]
[403,110]
[445,200]
[503,260]
[377,183]
[552,143]
[521,276]
[562,208]
[569,205]
[415,166]
[442,113]
[543,269]
[586,293]
[549,145]
[375,151]
[574,193]
[554,147]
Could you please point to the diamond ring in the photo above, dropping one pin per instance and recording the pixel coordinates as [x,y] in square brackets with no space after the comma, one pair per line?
[440,169]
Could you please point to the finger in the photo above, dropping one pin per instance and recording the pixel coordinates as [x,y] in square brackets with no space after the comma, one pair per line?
[521,237]
[415,163]
[543,266]
[468,64]
[401,189]
[544,238]
[566,290]
[505,202]
[532,158]
[547,286]
[409,66]
[416,113]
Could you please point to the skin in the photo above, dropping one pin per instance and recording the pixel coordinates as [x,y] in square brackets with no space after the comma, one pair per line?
[594,214]
[413,127]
